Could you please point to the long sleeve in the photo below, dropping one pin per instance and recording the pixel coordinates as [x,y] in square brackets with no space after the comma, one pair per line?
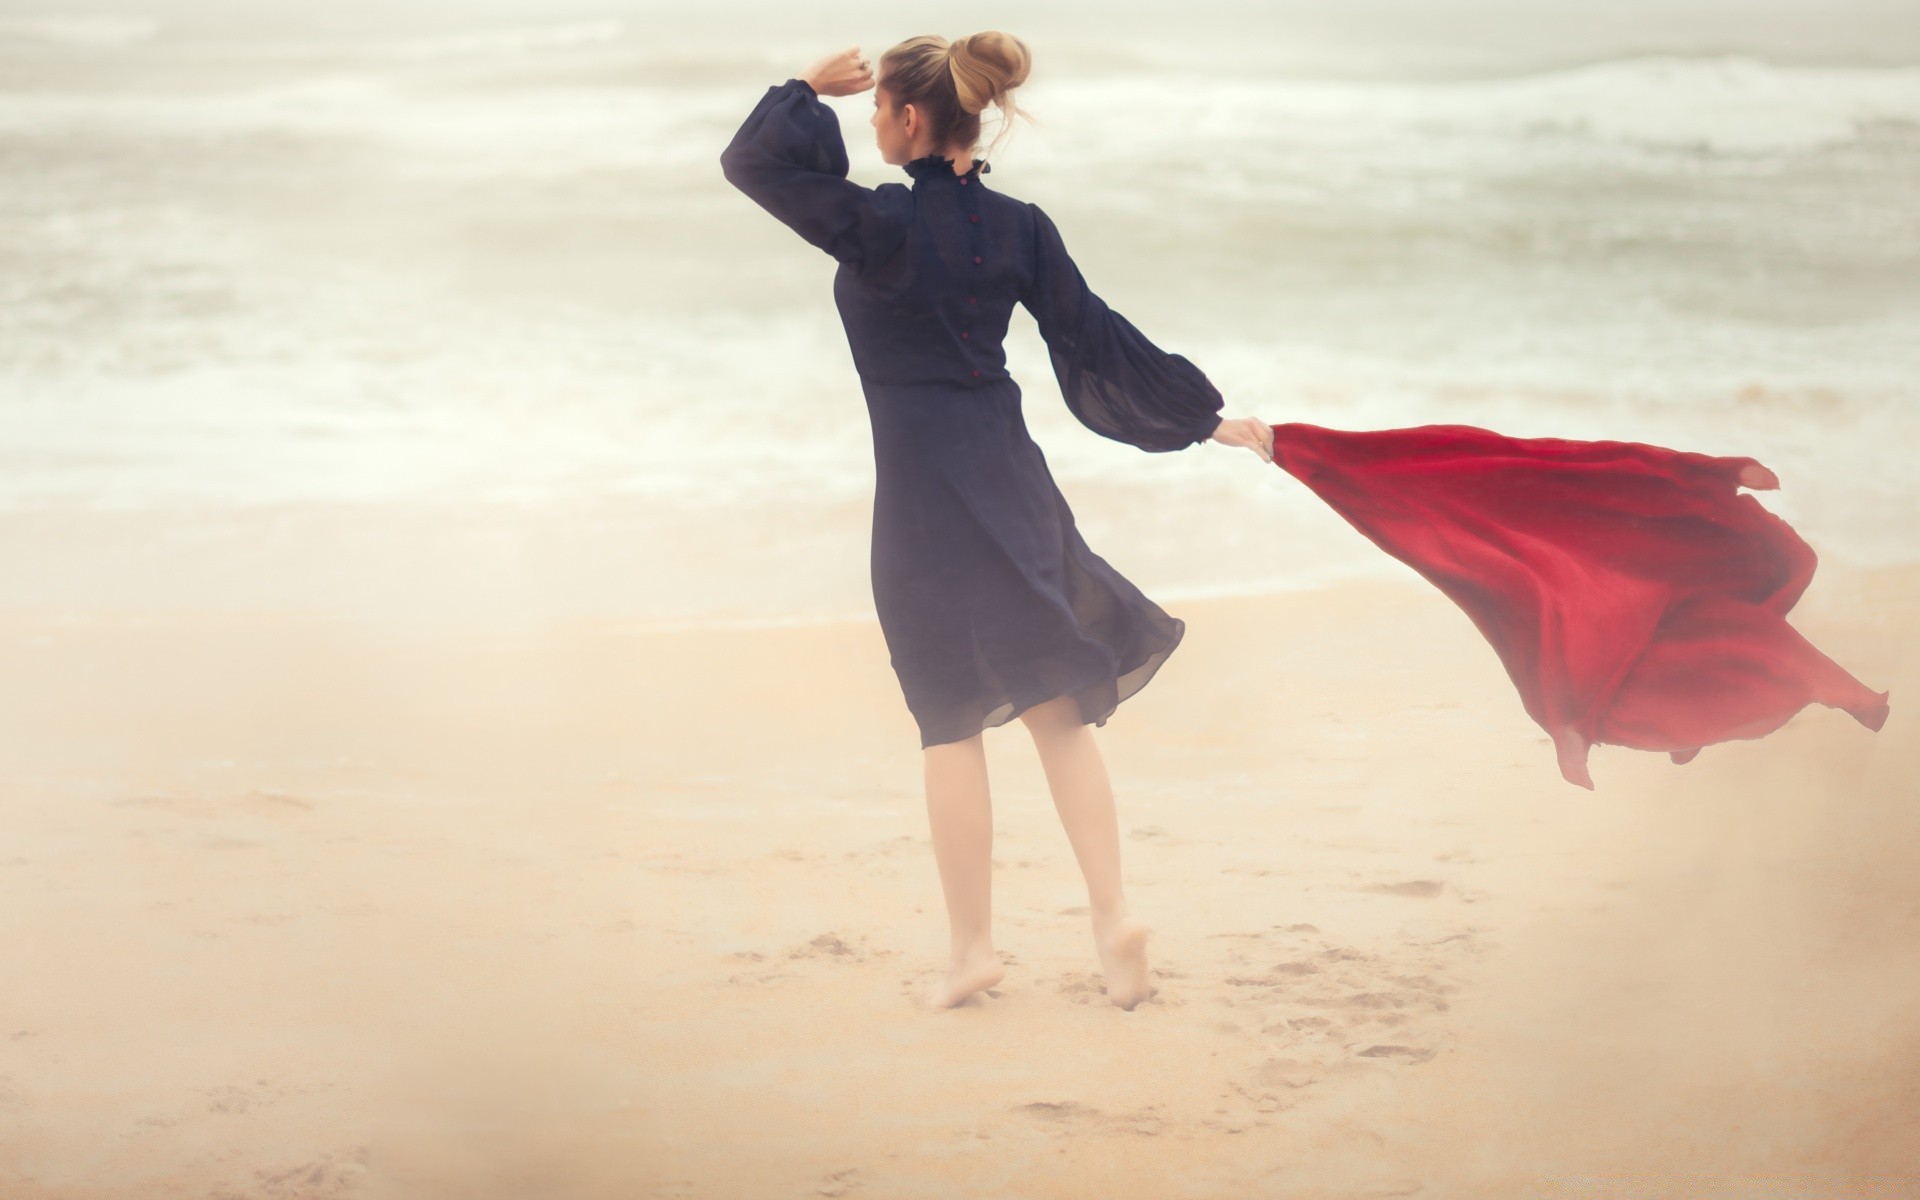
[789,159]
[1119,384]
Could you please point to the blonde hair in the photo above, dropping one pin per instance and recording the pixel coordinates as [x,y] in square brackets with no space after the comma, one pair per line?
[951,83]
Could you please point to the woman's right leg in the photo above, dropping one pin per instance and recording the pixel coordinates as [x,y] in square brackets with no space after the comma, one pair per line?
[1083,796]
[960,812]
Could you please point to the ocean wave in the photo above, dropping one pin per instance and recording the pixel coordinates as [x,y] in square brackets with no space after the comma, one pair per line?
[1730,105]
[505,42]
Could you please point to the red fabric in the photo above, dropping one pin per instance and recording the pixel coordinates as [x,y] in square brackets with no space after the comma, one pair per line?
[1635,596]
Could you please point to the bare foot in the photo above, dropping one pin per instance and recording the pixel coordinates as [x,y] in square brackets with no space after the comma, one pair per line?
[1122,942]
[975,971]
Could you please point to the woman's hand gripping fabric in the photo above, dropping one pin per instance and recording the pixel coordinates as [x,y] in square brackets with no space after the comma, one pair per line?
[1251,432]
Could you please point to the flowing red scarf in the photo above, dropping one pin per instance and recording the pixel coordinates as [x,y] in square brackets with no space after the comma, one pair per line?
[1634,595]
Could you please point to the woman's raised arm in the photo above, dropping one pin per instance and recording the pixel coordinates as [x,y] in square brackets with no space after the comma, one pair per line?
[789,159]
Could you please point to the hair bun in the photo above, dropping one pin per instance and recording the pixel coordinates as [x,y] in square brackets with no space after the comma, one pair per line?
[986,67]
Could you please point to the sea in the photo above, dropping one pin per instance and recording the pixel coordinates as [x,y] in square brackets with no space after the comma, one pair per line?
[374,279]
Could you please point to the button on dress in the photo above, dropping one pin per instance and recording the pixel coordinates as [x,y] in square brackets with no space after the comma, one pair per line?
[989,600]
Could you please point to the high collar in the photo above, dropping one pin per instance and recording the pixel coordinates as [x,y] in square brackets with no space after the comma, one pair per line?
[932,166]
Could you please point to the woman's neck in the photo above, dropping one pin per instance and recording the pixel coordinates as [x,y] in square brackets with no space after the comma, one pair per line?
[962,159]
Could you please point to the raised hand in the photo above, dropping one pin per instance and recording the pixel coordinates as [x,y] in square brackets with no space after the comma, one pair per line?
[1251,432]
[842,73]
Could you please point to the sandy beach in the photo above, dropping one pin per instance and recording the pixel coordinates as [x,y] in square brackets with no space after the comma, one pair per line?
[296,907]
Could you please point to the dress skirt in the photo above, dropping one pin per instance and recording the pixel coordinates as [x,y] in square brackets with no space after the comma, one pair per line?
[989,599]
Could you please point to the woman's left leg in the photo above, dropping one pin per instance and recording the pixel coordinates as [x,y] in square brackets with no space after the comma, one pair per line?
[1083,796]
[960,812]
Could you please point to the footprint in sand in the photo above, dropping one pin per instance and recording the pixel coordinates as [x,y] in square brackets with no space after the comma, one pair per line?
[834,948]
[1086,987]
[1287,1072]
[1289,971]
[840,1182]
[826,947]
[337,1174]
[1328,1008]
[1424,889]
[752,978]
[230,1099]
[1082,987]
[1070,1117]
[1059,1110]
[916,984]
[275,803]
[1378,1000]
[1062,1117]
[1412,1054]
[830,945]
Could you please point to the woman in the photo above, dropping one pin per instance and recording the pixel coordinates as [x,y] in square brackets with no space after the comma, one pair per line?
[991,604]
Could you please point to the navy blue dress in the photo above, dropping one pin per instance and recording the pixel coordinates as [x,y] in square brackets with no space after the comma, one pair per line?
[989,600]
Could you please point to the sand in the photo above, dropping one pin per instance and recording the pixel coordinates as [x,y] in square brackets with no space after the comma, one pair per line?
[294,906]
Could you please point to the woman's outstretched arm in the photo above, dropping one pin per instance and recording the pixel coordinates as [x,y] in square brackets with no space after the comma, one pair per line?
[1115,381]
